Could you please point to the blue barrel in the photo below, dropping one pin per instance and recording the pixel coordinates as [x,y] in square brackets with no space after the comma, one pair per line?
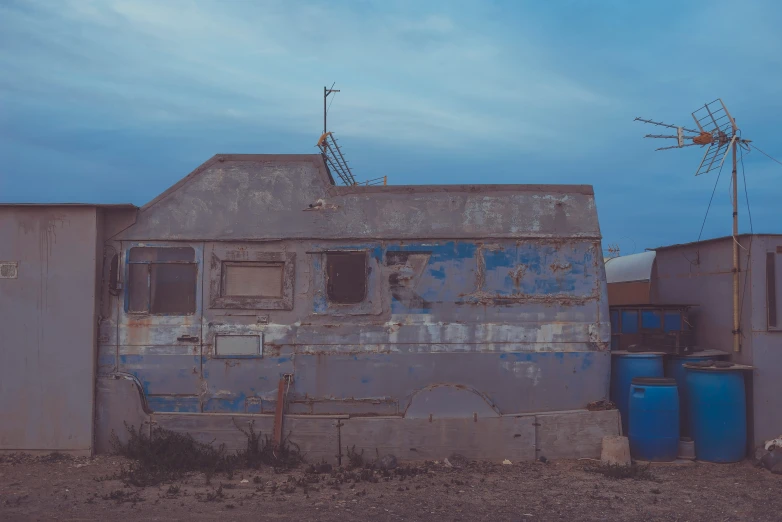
[674,368]
[654,419]
[718,413]
[625,367]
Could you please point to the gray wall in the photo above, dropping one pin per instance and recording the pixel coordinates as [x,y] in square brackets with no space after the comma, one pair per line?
[766,345]
[47,320]
[701,274]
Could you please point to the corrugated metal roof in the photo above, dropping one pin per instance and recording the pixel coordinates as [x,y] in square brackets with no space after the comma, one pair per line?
[635,267]
[713,240]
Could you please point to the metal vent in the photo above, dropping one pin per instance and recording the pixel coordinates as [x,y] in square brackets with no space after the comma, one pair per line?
[8,270]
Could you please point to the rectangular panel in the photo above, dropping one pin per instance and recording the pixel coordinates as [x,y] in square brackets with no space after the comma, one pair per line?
[161,255]
[252,280]
[247,345]
[8,270]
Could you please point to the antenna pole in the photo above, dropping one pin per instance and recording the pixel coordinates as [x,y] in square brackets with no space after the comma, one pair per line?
[736,311]
[326,92]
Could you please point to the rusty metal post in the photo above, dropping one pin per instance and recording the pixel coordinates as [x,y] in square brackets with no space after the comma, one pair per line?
[736,305]
[278,413]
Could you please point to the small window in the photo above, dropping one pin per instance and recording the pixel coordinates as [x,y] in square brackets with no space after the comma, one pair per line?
[629,321]
[651,319]
[239,345]
[673,322]
[614,321]
[347,277]
[248,279]
[162,280]
[774,288]
[252,280]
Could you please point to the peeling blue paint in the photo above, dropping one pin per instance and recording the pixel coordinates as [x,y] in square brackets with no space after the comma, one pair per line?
[235,404]
[172,404]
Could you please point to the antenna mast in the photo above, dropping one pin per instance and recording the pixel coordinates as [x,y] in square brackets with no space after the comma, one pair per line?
[718,130]
[332,153]
[326,92]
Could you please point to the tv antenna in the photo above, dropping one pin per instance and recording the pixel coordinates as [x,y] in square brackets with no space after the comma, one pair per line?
[613,251]
[332,153]
[717,130]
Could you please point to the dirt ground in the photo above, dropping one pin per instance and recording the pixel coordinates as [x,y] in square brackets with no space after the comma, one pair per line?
[84,489]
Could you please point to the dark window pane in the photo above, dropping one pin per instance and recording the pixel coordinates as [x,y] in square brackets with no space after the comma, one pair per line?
[162,254]
[651,319]
[138,288]
[114,272]
[673,322]
[614,321]
[347,277]
[630,321]
[173,289]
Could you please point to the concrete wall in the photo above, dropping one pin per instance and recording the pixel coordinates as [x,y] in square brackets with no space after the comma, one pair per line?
[47,325]
[701,274]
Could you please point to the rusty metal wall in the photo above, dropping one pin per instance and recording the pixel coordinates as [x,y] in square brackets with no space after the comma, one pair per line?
[631,293]
[499,290]
[47,320]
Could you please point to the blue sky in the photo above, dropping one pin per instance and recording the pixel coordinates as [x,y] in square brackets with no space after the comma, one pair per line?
[115,100]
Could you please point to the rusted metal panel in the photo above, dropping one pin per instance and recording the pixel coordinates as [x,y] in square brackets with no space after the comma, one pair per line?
[629,293]
[48,327]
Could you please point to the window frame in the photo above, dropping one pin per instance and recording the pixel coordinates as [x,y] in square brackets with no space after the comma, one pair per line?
[355,253]
[128,287]
[236,257]
[772,296]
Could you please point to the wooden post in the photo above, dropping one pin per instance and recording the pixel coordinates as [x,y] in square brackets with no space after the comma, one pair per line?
[736,301]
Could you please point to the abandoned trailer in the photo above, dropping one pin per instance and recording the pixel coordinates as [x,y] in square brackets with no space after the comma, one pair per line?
[413,320]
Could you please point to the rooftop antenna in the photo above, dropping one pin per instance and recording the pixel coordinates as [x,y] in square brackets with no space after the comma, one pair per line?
[332,153]
[717,130]
[613,251]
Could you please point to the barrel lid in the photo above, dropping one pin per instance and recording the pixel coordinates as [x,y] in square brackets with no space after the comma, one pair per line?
[716,366]
[654,381]
[637,355]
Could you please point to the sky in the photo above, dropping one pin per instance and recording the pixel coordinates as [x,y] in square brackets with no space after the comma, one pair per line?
[113,101]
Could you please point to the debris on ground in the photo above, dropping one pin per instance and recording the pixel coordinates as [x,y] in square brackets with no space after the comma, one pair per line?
[601,405]
[563,490]
[618,472]
[387,462]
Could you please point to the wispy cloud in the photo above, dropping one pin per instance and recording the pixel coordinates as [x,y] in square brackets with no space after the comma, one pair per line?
[123,97]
